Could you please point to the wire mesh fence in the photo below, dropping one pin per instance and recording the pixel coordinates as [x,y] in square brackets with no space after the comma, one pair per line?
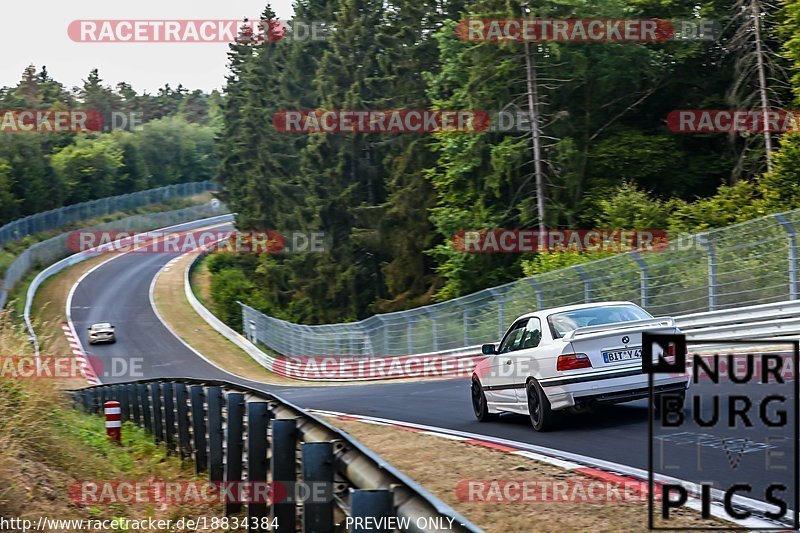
[750,263]
[71,214]
[51,250]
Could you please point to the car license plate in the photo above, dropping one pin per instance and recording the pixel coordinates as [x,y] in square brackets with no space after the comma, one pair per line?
[622,355]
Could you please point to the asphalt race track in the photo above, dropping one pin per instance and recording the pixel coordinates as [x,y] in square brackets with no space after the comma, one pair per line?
[118,292]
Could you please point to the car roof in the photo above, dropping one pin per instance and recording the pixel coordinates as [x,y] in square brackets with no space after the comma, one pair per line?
[547,312]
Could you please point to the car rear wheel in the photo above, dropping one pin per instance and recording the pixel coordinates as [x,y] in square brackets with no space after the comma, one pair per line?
[479,405]
[542,416]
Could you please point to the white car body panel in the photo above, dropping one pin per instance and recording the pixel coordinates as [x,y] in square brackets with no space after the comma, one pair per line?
[504,376]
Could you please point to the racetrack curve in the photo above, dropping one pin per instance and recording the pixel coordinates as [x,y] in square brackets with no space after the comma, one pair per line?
[118,292]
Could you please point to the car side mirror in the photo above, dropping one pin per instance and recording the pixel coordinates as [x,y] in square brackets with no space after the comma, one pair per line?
[489,349]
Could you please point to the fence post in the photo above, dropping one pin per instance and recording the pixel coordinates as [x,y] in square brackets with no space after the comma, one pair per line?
[792,237]
[169,416]
[158,420]
[376,504]
[465,321]
[199,429]
[182,404]
[144,400]
[318,468]
[435,331]
[134,407]
[233,459]
[284,469]
[539,293]
[587,284]
[257,420]
[712,271]
[643,275]
[215,436]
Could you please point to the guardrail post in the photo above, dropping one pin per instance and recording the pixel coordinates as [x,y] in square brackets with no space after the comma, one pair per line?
[144,407]
[101,394]
[375,504]
[257,420]
[587,284]
[122,398]
[86,401]
[712,271]
[134,405]
[182,405]
[215,435]
[792,237]
[233,453]
[169,416]
[284,469]
[199,429]
[643,276]
[318,469]
[158,420]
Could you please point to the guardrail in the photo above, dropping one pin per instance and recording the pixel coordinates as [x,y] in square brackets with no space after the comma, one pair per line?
[240,435]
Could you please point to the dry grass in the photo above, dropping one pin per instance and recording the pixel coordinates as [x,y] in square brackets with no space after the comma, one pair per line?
[439,464]
[46,446]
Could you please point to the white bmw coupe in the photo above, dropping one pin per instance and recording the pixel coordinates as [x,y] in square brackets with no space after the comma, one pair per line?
[571,357]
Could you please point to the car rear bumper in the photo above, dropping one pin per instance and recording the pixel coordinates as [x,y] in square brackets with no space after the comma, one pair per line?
[622,386]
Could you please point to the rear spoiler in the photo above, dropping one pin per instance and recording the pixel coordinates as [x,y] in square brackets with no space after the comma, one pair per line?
[664,321]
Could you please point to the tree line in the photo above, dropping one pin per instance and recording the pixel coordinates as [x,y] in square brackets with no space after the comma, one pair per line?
[39,171]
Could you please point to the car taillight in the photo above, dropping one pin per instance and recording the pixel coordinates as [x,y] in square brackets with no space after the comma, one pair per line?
[573,361]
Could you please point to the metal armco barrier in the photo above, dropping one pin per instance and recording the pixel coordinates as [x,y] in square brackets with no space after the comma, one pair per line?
[238,434]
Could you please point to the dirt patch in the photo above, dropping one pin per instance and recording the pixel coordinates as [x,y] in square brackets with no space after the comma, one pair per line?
[444,467]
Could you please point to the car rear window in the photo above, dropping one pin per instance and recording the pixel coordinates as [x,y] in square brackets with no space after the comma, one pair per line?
[563,323]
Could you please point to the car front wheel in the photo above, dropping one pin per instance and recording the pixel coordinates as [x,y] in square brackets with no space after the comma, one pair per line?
[479,405]
[542,416]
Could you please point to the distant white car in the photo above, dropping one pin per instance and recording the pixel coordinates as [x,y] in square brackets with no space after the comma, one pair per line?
[571,357]
[101,332]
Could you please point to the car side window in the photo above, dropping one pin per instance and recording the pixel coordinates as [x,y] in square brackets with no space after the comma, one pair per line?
[513,337]
[532,335]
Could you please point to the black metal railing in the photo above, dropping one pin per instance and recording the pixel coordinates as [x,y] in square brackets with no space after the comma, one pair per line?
[237,435]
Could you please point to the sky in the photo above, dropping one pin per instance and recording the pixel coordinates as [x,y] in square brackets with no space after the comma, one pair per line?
[39,37]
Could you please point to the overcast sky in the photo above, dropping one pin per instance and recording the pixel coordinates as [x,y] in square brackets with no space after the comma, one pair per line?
[36,33]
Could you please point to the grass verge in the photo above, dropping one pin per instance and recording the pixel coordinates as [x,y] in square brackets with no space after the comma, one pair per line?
[440,464]
[47,448]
